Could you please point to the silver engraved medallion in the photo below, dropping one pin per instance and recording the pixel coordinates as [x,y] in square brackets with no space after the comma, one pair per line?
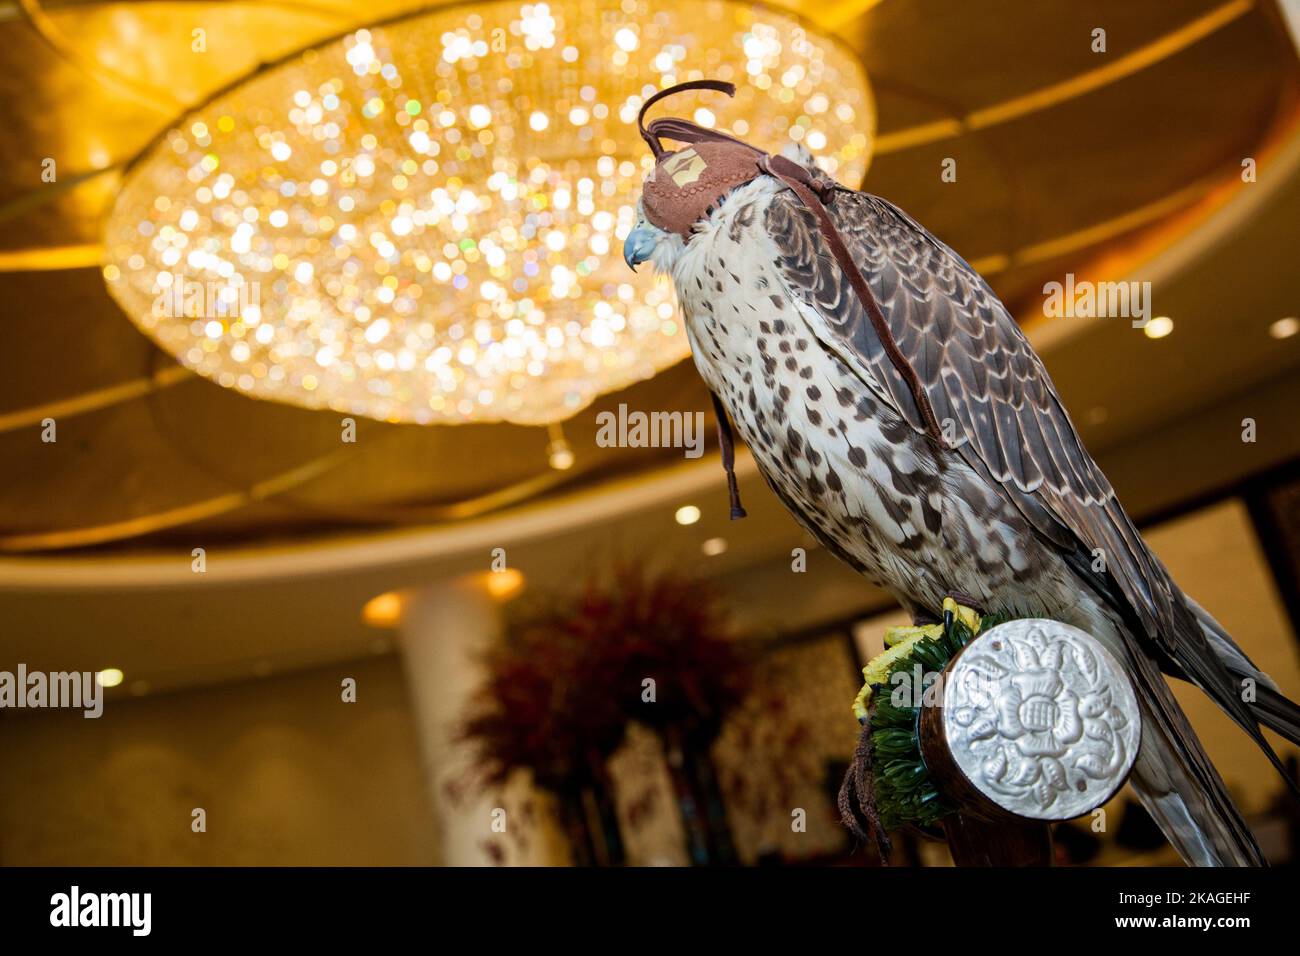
[1041,719]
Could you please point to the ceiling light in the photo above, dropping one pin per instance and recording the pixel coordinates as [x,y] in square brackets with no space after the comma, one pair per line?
[384,610]
[714,547]
[558,453]
[504,584]
[1158,327]
[687,514]
[108,677]
[1284,328]
[416,224]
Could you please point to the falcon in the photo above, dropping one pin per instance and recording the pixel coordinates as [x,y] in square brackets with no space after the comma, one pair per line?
[897,410]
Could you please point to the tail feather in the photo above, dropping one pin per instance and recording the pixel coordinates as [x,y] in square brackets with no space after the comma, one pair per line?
[1270,706]
[1181,789]
[1173,775]
[1232,656]
[1276,712]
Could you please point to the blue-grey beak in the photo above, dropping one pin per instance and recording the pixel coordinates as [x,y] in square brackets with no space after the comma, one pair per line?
[638,246]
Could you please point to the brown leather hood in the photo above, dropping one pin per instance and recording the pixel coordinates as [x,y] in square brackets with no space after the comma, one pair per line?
[685,185]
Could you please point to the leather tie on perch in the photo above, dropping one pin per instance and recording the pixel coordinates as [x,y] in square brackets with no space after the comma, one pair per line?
[1015,727]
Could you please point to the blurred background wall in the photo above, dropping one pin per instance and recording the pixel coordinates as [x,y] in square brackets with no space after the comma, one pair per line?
[286,773]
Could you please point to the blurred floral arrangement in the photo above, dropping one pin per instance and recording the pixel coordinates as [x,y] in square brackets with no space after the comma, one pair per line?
[571,673]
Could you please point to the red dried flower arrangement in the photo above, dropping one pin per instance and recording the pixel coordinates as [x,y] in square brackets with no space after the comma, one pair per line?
[574,670]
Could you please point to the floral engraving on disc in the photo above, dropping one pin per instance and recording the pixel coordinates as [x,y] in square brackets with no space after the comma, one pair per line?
[1041,718]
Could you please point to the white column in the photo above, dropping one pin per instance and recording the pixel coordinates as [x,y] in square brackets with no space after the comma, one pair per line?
[444,630]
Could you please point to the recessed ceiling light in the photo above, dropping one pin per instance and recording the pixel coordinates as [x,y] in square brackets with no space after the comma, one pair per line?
[1284,328]
[688,514]
[384,610]
[1158,327]
[1098,414]
[109,677]
[504,584]
[714,546]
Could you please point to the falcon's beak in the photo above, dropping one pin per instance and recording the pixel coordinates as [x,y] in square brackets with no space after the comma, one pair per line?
[639,246]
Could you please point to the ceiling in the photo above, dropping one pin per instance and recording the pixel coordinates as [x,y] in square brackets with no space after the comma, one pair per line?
[1122,165]
[1068,161]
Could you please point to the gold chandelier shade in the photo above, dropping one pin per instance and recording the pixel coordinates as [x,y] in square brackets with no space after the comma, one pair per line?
[421,221]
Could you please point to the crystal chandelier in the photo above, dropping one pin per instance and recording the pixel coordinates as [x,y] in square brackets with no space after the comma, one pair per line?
[420,221]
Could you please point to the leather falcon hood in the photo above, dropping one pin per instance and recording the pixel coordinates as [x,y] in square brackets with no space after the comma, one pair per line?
[686,184]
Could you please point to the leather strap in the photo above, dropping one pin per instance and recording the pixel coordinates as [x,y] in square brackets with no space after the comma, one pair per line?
[813,192]
[727,444]
[805,187]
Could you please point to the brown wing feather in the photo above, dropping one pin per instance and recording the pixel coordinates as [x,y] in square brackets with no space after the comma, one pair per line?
[981,374]
[977,367]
